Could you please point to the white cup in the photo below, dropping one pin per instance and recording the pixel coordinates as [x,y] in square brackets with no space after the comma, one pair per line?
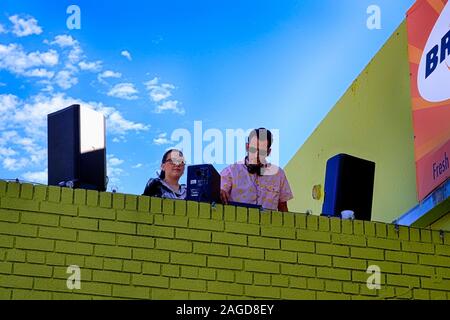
[348,215]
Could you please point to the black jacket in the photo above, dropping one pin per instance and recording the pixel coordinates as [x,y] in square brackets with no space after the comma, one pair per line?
[153,188]
[156,188]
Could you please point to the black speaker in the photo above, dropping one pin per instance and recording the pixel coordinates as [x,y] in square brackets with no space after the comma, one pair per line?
[349,185]
[77,148]
[203,183]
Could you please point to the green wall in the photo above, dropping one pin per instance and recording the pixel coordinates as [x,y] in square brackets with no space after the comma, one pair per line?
[373,120]
[131,247]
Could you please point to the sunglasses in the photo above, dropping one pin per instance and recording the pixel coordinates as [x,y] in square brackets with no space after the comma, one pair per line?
[255,150]
[176,162]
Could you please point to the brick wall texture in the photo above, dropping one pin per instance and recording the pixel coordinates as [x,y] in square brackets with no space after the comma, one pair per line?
[136,247]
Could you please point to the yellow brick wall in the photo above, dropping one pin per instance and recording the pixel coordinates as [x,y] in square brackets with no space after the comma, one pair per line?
[131,247]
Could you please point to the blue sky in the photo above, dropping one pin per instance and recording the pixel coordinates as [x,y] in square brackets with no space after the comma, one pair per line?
[153,67]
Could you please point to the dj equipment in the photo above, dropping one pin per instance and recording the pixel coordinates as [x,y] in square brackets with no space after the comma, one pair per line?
[76,148]
[245,205]
[349,185]
[203,183]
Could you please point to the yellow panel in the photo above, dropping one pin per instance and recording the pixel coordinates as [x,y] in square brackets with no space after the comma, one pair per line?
[373,121]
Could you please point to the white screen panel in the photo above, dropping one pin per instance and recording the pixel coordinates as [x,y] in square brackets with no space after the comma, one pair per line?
[92,130]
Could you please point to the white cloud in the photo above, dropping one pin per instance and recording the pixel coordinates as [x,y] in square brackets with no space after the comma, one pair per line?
[122,138]
[65,79]
[49,58]
[117,124]
[8,105]
[137,166]
[39,176]
[113,170]
[171,105]
[14,59]
[25,26]
[114,161]
[7,136]
[39,73]
[26,151]
[13,164]
[31,152]
[158,91]
[36,154]
[33,114]
[123,91]
[23,130]
[161,139]
[8,102]
[20,151]
[26,142]
[126,54]
[70,67]
[75,54]
[7,152]
[64,41]
[2,29]
[48,86]
[90,66]
[108,74]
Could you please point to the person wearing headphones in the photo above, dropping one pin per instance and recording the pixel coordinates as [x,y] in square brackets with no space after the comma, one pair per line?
[254,181]
[167,184]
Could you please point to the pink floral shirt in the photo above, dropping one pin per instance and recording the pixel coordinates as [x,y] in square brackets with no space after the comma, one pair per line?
[267,190]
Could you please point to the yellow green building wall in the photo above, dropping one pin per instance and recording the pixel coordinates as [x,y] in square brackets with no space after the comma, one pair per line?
[137,247]
[373,120]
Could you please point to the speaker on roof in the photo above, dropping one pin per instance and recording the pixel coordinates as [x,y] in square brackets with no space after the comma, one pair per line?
[349,185]
[77,148]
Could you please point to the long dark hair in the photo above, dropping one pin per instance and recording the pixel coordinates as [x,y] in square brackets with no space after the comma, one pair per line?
[162,175]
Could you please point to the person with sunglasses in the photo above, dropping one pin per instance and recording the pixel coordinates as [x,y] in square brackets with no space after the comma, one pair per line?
[167,184]
[254,181]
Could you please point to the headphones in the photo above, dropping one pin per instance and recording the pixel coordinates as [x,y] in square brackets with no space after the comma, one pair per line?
[255,168]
